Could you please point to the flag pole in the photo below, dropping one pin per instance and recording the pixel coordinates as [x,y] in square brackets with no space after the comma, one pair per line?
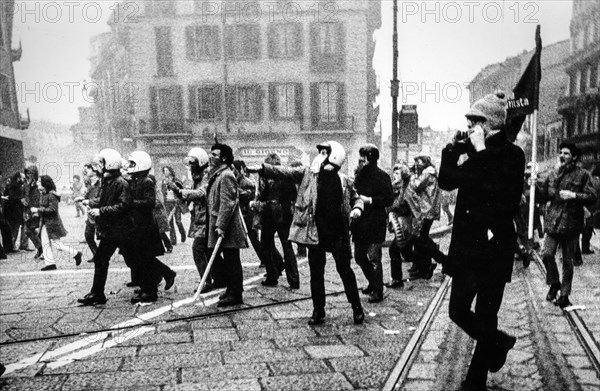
[533,123]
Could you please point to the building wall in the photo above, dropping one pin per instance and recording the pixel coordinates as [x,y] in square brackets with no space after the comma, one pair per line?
[252,139]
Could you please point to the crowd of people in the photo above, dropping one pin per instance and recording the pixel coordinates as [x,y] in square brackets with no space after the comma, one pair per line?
[322,211]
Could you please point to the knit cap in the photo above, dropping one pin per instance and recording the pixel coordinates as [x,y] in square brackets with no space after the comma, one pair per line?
[492,107]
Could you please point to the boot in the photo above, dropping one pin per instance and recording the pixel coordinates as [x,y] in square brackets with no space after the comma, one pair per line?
[358,314]
[230,300]
[375,297]
[504,343]
[92,299]
[317,317]
[562,301]
[169,281]
[77,258]
[145,297]
[554,288]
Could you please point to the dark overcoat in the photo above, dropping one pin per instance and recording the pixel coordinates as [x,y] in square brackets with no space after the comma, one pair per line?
[114,203]
[224,209]
[50,218]
[145,234]
[371,226]
[489,187]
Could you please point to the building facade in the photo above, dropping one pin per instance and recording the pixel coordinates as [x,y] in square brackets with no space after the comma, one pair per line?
[580,105]
[11,123]
[262,77]
[505,76]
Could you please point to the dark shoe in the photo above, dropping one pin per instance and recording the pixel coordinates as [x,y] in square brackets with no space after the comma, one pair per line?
[77,258]
[92,299]
[169,250]
[144,298]
[2,369]
[91,260]
[169,281]
[562,301]
[183,239]
[131,284]
[429,272]
[230,300]
[554,288]
[39,254]
[358,314]
[395,284]
[368,290]
[498,357]
[317,317]
[49,267]
[375,297]
[295,286]
[268,282]
[527,260]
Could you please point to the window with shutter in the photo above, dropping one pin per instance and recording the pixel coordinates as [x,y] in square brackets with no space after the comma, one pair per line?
[164,51]
[328,105]
[209,98]
[327,47]
[285,40]
[245,102]
[166,109]
[242,42]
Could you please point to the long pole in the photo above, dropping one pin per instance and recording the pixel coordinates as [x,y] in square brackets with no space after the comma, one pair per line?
[533,122]
[395,88]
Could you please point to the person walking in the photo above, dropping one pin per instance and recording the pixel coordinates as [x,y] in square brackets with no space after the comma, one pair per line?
[52,229]
[374,187]
[112,213]
[13,208]
[480,258]
[566,190]
[76,192]
[92,192]
[31,223]
[593,220]
[277,197]
[172,204]
[161,217]
[321,221]
[224,221]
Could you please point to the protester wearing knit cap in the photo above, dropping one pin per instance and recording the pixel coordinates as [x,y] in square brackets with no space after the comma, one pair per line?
[480,256]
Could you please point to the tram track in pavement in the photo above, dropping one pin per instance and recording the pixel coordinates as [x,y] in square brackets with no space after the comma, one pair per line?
[553,367]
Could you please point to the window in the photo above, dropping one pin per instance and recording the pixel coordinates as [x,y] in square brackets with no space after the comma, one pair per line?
[164,51]
[327,47]
[5,101]
[160,7]
[242,42]
[328,105]
[285,40]
[244,103]
[285,100]
[583,81]
[205,102]
[203,43]
[166,109]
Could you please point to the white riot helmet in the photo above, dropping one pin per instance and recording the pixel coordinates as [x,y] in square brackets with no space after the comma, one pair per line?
[139,161]
[337,154]
[198,155]
[109,159]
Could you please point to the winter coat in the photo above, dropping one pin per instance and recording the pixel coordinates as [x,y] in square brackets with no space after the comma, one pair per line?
[565,217]
[92,192]
[146,234]
[223,209]
[304,226]
[13,207]
[50,218]
[426,186]
[114,202]
[197,196]
[32,200]
[489,193]
[278,197]
[370,227]
[401,217]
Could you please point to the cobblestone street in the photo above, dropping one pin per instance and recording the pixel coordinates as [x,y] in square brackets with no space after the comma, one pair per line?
[264,345]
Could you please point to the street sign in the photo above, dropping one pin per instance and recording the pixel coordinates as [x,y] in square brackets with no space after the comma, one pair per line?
[408,125]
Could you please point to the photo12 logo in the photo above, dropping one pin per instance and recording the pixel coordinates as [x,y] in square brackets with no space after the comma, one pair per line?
[469,11]
[73,11]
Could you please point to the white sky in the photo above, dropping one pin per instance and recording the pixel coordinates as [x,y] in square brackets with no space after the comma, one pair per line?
[439,50]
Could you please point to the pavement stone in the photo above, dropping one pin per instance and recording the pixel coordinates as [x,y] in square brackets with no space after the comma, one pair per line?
[333,351]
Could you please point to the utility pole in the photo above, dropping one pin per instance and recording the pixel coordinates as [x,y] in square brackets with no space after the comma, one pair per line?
[395,88]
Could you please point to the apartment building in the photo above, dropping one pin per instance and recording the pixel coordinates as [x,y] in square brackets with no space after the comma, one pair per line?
[261,76]
[580,107]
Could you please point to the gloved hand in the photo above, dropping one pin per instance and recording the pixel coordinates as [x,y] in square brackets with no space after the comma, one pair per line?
[355,214]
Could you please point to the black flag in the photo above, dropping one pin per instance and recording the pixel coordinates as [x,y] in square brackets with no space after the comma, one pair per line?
[526,93]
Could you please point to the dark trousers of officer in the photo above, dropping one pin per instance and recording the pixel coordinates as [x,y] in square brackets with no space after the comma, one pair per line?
[230,267]
[317,261]
[106,248]
[368,257]
[90,237]
[272,262]
[481,325]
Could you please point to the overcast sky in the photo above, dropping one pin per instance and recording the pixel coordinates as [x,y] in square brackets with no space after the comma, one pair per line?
[442,45]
